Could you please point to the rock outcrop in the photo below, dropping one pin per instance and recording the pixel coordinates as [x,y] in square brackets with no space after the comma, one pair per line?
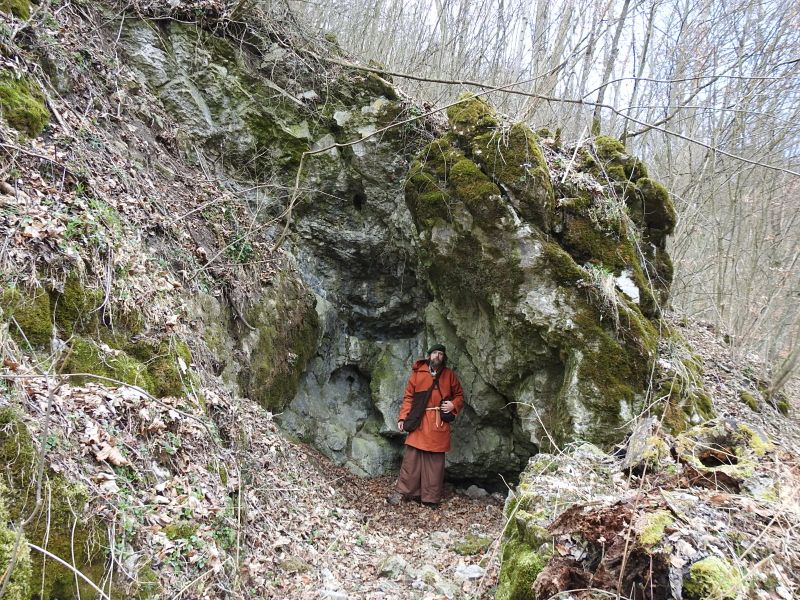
[539,268]
[542,268]
[620,522]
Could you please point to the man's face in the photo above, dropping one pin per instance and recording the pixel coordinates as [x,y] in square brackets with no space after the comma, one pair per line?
[436,359]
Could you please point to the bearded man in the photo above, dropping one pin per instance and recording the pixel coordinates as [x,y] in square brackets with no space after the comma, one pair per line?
[432,399]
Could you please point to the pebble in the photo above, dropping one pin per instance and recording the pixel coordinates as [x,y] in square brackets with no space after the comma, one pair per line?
[469,572]
[476,492]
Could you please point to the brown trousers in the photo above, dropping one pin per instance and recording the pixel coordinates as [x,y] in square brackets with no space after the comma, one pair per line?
[422,475]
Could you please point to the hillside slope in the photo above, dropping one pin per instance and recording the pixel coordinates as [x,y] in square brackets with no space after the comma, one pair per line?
[165,359]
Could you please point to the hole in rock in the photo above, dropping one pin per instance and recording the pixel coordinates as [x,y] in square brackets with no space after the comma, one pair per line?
[359,199]
[716,456]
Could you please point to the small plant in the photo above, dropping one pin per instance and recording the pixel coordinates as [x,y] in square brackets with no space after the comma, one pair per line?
[602,284]
[240,250]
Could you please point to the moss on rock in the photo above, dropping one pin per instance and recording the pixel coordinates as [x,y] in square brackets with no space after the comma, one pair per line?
[428,195]
[18,8]
[712,578]
[31,311]
[783,406]
[614,163]
[19,584]
[22,104]
[85,356]
[722,450]
[515,161]
[161,359]
[748,399]
[76,306]
[471,115]
[520,567]
[62,530]
[651,527]
[285,338]
[481,197]
[492,276]
[472,545]
[658,211]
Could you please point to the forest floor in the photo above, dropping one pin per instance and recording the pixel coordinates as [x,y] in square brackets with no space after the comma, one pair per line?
[219,504]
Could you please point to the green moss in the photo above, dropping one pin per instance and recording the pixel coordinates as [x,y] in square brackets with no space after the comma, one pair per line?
[161,359]
[84,356]
[31,311]
[612,163]
[147,585]
[515,161]
[712,578]
[576,205]
[703,404]
[75,307]
[652,525]
[673,417]
[272,141]
[180,530]
[657,208]
[664,273]
[293,565]
[471,545]
[471,115]
[759,445]
[528,529]
[481,197]
[22,104]
[287,327]
[520,567]
[783,406]
[18,8]
[429,198]
[19,585]
[748,399]
[493,276]
[560,265]
[380,86]
[656,452]
[607,147]
[586,243]
[61,528]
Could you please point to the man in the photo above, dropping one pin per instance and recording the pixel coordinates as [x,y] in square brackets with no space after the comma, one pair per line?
[422,472]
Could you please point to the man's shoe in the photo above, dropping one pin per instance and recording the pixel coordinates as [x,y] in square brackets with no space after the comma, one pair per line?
[431,505]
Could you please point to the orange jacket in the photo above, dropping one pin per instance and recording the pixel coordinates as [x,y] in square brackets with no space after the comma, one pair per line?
[432,434]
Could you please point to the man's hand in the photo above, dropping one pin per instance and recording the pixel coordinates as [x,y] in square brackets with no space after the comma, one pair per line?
[400,426]
[447,406]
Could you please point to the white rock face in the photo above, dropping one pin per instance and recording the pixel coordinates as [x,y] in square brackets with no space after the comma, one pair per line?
[626,285]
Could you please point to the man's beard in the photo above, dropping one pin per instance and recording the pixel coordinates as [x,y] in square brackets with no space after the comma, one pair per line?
[435,363]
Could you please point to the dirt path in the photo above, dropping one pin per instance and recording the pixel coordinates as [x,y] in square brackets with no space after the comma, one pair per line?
[410,550]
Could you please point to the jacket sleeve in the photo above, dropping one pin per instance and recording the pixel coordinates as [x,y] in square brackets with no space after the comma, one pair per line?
[405,407]
[457,392]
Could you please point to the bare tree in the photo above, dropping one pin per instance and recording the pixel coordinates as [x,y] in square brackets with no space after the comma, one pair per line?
[725,73]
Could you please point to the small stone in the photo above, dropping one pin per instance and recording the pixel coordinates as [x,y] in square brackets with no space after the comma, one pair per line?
[476,492]
[440,539]
[341,117]
[469,572]
[392,567]
[334,595]
[309,96]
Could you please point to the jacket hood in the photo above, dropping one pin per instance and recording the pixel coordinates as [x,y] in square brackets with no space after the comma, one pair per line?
[422,364]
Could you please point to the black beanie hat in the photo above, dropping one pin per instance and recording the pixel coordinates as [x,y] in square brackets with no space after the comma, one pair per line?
[436,348]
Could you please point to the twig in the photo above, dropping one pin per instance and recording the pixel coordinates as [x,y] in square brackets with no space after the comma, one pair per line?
[70,567]
[507,88]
